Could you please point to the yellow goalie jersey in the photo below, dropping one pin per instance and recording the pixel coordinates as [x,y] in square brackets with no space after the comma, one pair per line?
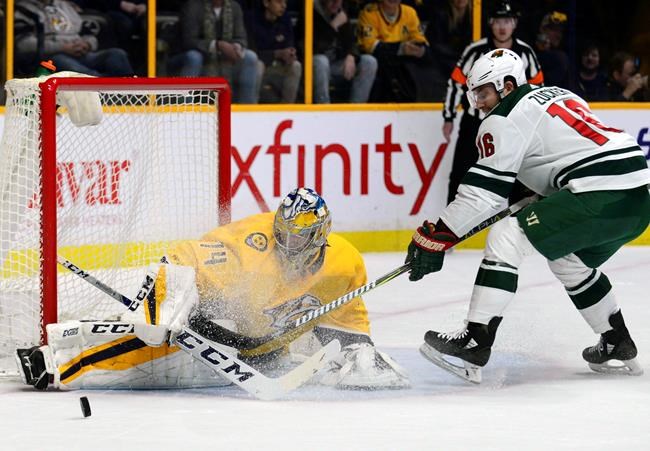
[240,276]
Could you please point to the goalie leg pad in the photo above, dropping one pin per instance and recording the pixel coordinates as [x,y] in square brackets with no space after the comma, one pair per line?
[108,355]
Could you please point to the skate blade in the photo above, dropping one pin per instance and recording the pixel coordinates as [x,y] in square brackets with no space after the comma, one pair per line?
[626,367]
[469,372]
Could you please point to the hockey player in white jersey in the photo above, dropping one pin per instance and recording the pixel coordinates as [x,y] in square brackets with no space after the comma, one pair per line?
[593,180]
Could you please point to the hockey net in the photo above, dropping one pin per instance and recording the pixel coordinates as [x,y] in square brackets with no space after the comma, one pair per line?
[109,197]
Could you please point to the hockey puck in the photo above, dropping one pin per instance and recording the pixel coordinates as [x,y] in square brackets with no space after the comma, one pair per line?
[85,406]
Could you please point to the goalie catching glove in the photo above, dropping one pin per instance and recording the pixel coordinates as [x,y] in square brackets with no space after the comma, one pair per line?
[426,252]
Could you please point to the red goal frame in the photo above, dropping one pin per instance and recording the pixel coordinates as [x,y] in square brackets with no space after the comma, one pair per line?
[48,223]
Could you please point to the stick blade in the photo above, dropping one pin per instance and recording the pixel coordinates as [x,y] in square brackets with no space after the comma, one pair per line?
[300,375]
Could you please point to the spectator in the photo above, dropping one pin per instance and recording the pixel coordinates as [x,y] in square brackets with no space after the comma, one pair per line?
[63,41]
[274,41]
[391,32]
[336,55]
[213,42]
[128,19]
[124,27]
[591,80]
[552,57]
[626,84]
[502,19]
[449,31]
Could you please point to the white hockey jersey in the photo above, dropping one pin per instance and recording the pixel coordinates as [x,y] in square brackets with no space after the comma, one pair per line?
[549,140]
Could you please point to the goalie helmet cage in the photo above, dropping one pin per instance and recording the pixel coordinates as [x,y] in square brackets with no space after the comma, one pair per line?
[110,197]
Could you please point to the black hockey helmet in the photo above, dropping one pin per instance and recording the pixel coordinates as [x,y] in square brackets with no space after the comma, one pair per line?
[502,8]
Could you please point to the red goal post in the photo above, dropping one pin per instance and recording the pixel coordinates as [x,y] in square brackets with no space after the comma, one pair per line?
[110,197]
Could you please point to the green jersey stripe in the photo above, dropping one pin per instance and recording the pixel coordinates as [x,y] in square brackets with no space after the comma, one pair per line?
[508,103]
[501,280]
[499,187]
[578,163]
[588,280]
[593,294]
[609,167]
[495,172]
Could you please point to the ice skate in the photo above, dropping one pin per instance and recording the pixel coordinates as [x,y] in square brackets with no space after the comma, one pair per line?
[472,345]
[31,366]
[614,346]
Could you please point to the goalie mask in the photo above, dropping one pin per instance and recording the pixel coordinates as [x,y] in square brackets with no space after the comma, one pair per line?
[494,67]
[301,226]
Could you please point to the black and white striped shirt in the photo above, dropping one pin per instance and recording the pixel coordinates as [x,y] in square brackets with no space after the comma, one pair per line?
[456,88]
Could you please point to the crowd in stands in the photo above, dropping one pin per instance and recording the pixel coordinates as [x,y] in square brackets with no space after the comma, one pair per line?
[363,50]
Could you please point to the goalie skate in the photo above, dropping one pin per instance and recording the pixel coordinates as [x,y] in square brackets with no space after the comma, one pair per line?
[468,372]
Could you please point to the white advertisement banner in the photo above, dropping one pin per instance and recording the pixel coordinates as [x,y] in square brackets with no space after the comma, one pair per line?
[377,170]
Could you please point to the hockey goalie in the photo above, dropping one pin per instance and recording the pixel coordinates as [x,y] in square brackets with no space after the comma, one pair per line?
[253,277]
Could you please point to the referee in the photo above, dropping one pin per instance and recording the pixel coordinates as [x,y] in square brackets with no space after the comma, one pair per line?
[503,21]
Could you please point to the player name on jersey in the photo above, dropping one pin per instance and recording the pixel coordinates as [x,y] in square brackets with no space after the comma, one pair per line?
[543,95]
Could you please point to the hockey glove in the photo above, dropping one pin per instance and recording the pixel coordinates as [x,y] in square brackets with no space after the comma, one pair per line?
[426,252]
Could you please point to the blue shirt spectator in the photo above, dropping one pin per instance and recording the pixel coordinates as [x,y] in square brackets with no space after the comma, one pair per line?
[272,34]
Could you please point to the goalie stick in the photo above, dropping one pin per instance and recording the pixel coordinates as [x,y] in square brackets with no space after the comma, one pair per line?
[220,358]
[222,362]
[145,287]
[251,346]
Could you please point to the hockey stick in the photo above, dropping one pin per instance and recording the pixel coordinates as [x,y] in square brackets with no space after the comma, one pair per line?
[249,346]
[216,357]
[220,359]
[145,287]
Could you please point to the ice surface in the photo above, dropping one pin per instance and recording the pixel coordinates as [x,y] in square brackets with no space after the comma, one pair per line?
[537,392]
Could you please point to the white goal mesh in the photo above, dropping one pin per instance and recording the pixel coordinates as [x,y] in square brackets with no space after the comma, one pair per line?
[109,197]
